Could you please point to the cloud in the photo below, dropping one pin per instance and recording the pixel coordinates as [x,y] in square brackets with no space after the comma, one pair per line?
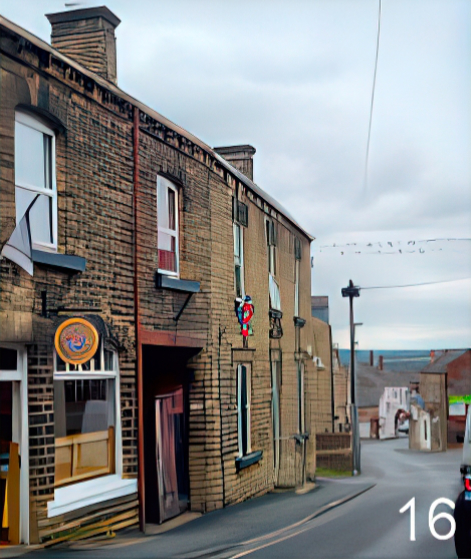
[294,80]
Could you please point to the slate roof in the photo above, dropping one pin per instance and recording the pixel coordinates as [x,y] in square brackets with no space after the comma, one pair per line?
[439,365]
[371,382]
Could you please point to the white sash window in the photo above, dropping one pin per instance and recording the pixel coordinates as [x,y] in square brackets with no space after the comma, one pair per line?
[35,174]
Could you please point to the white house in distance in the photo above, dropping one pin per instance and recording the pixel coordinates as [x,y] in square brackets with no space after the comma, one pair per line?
[393,399]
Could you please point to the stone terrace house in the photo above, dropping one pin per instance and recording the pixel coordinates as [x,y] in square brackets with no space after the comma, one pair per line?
[125,384]
[445,385]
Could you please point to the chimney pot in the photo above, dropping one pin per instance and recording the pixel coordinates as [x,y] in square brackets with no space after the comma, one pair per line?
[240,157]
[87,36]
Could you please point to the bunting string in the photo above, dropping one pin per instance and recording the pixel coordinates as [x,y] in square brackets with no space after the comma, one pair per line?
[394,247]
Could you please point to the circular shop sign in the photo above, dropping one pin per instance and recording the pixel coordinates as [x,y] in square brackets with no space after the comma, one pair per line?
[76,341]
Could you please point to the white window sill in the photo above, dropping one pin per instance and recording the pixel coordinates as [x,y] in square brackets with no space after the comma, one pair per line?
[88,493]
[44,247]
[175,275]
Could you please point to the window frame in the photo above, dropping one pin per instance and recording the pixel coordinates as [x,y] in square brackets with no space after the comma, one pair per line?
[237,228]
[296,287]
[173,233]
[80,374]
[248,390]
[301,403]
[29,121]
[276,371]
[271,235]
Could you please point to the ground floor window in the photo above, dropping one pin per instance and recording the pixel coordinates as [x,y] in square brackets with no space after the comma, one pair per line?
[85,417]
[275,367]
[301,414]
[243,408]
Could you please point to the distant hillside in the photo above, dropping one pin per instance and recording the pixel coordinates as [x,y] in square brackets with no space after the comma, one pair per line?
[393,359]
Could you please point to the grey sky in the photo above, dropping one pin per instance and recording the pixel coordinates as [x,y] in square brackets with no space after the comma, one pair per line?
[294,80]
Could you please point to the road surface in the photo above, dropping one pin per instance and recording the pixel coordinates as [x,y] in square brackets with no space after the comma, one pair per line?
[281,525]
[371,525]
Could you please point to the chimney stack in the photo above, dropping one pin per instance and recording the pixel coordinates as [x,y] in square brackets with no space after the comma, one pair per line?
[240,157]
[87,36]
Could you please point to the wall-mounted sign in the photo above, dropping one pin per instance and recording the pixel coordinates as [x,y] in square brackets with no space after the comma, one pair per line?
[76,341]
[244,310]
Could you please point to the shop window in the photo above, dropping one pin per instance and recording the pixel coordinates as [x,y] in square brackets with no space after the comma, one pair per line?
[167,223]
[243,408]
[35,175]
[86,405]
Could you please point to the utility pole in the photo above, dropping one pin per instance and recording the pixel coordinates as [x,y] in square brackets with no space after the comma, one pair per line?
[353,291]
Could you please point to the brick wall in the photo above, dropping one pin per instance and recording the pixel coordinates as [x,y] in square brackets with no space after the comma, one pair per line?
[95,198]
[95,220]
[334,451]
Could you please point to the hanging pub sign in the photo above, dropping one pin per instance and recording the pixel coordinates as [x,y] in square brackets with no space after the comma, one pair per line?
[76,341]
[244,310]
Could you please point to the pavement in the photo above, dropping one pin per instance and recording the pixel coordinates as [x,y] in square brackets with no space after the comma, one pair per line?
[220,533]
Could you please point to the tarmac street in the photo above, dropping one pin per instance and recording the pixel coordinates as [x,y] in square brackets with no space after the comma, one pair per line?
[347,517]
[371,525]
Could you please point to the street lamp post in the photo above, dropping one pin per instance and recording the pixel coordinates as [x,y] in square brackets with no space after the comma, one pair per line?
[353,291]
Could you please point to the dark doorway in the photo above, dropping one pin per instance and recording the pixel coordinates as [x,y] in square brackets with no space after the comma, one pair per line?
[172,486]
[165,385]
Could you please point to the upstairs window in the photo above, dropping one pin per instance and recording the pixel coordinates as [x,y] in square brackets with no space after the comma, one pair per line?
[296,288]
[273,287]
[297,256]
[274,291]
[239,260]
[35,175]
[240,212]
[167,223]
[271,235]
[240,217]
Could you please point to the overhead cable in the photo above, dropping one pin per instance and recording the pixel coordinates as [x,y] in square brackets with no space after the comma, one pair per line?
[365,179]
[415,284]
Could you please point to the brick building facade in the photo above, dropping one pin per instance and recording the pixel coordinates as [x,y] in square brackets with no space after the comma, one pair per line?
[153,238]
